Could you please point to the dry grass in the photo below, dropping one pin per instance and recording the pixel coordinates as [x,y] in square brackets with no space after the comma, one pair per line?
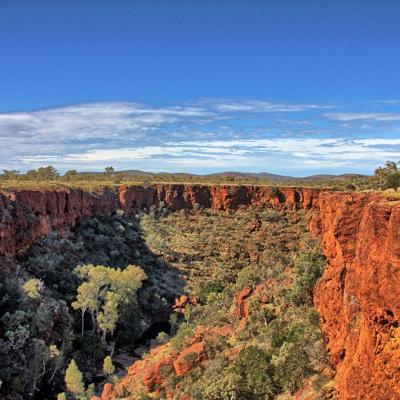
[391,194]
[53,185]
[95,185]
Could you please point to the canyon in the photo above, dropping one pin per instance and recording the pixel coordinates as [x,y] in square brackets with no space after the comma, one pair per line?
[357,296]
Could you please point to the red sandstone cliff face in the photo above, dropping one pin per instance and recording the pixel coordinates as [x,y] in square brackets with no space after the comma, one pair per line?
[357,297]
[26,215]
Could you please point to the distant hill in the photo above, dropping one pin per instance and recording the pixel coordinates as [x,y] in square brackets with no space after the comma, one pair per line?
[228,175]
[264,175]
[246,175]
[332,177]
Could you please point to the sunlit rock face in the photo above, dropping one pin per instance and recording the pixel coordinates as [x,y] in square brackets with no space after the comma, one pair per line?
[358,295]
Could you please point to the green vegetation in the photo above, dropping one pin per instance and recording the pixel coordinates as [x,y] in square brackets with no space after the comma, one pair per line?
[108,366]
[278,344]
[76,302]
[40,330]
[48,177]
[103,293]
[33,287]
[387,177]
[74,380]
[308,268]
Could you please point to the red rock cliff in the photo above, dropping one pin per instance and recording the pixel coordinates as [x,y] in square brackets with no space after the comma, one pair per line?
[26,215]
[357,297]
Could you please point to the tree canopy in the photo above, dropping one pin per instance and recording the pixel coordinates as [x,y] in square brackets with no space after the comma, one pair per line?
[388,177]
[104,291]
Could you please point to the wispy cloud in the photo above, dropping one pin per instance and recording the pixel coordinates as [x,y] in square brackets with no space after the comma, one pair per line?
[201,136]
[264,106]
[141,153]
[312,153]
[363,116]
[311,149]
[96,120]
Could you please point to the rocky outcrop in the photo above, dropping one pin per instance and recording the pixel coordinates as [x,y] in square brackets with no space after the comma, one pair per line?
[183,301]
[241,306]
[357,297]
[189,357]
[149,375]
[242,301]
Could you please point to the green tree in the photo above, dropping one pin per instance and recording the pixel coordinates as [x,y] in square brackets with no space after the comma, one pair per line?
[10,175]
[91,293]
[71,175]
[90,391]
[292,366]
[31,175]
[107,318]
[48,173]
[382,174]
[308,268]
[104,291]
[109,171]
[74,380]
[39,355]
[33,288]
[393,180]
[86,299]
[254,374]
[108,366]
[188,312]
[127,281]
[61,396]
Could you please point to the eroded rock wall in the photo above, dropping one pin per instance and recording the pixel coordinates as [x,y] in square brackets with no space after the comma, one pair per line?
[26,215]
[358,296]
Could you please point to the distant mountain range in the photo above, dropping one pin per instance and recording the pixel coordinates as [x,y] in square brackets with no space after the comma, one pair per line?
[246,175]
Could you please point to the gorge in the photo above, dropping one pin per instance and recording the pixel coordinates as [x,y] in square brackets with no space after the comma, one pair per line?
[356,297]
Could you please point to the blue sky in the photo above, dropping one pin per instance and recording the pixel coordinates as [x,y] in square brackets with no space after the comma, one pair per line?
[290,87]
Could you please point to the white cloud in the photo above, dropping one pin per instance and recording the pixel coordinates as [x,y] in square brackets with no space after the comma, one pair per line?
[378,142]
[140,153]
[313,153]
[91,121]
[313,148]
[265,106]
[363,116]
[196,136]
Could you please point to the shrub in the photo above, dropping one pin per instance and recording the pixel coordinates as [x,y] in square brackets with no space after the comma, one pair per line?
[74,380]
[307,270]
[208,288]
[274,191]
[393,180]
[255,374]
[162,337]
[108,366]
[33,288]
[183,332]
